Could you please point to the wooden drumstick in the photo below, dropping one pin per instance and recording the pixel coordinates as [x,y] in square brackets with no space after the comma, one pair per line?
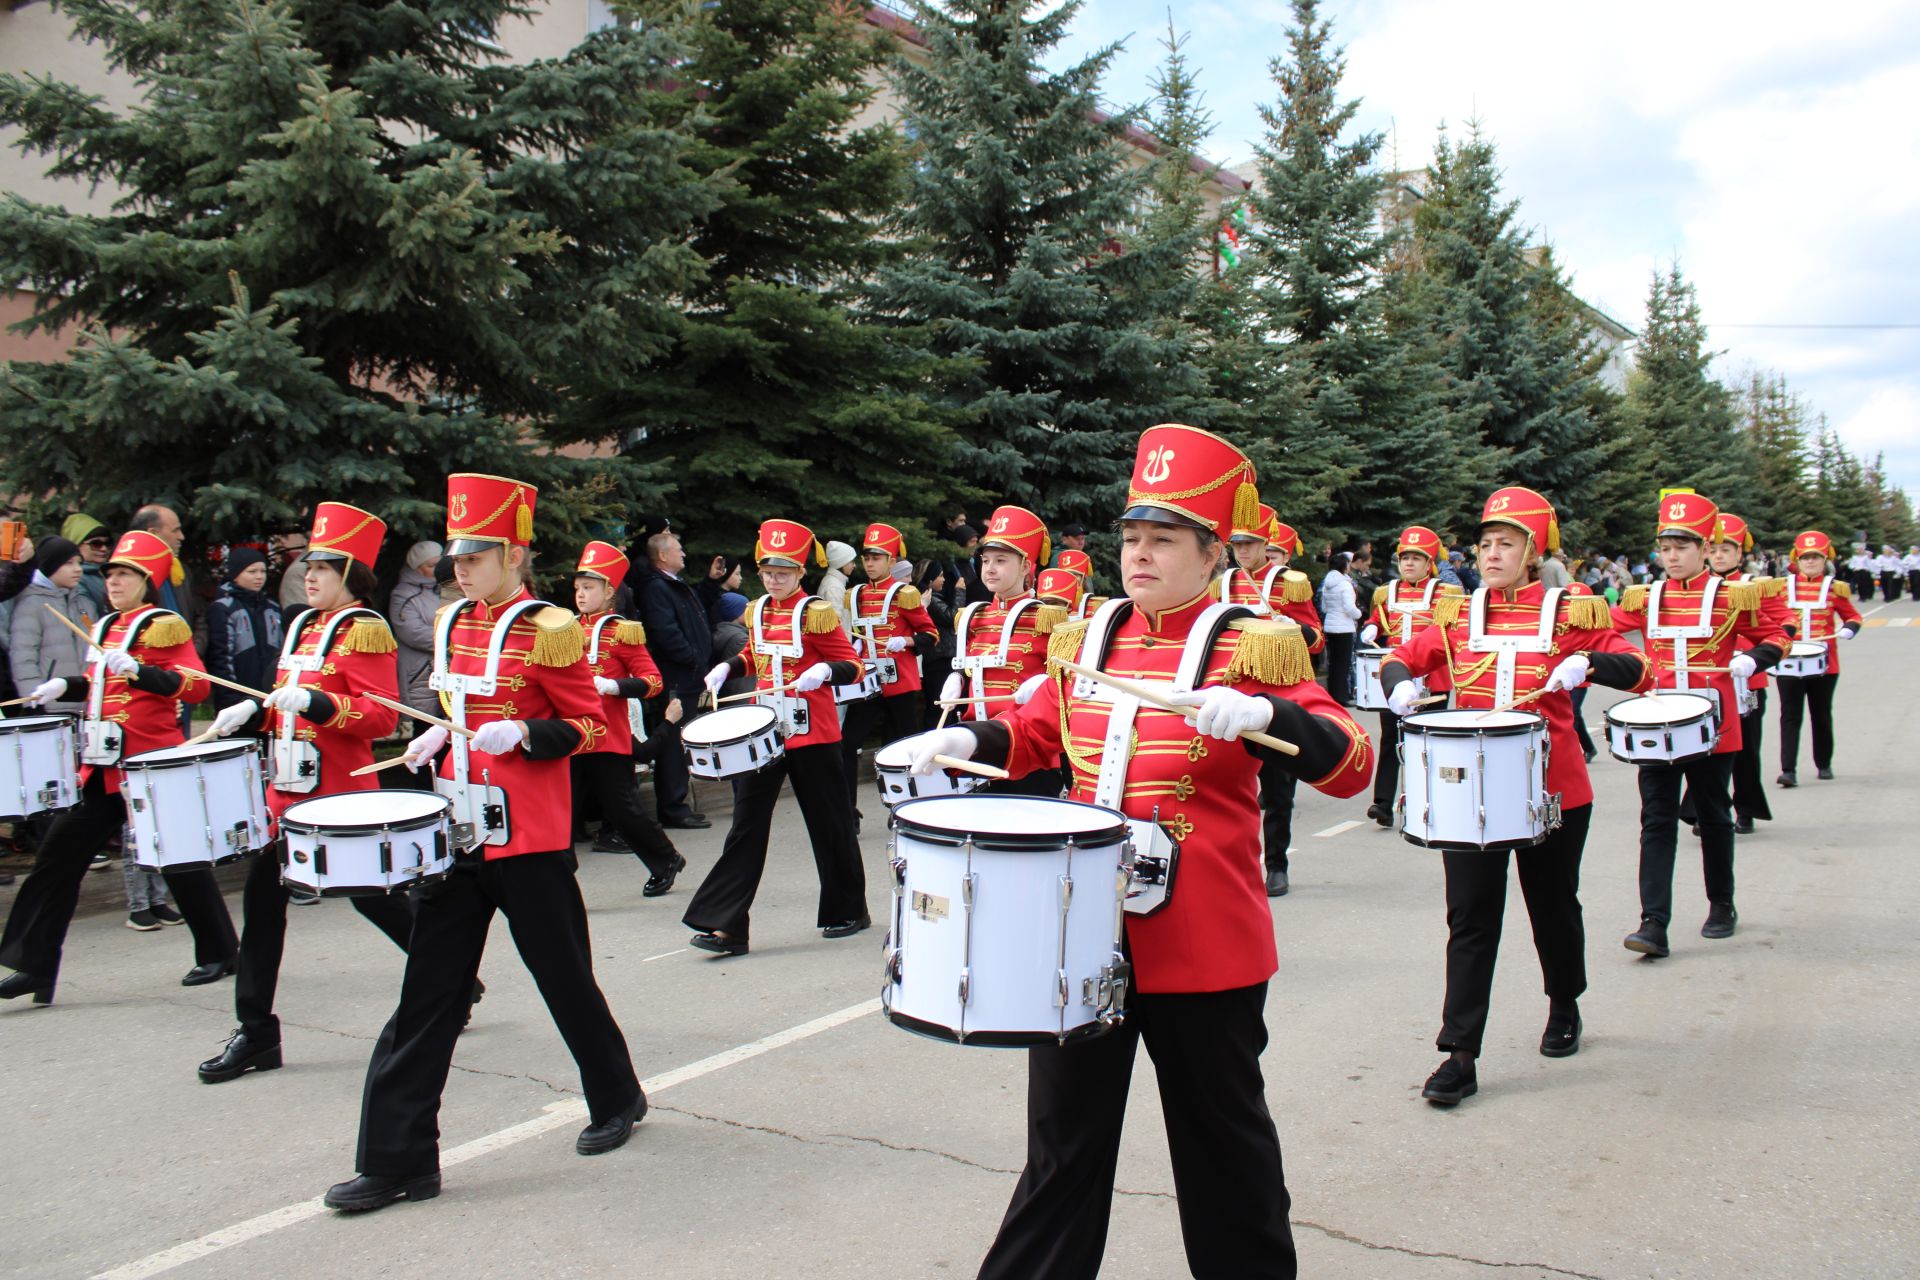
[972,766]
[1150,692]
[963,702]
[224,683]
[421,716]
[1432,697]
[1522,700]
[378,765]
[14,702]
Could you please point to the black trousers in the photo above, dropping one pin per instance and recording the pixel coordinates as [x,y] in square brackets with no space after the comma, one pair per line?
[1386,761]
[1913,583]
[1227,1172]
[608,779]
[1749,788]
[724,901]
[1340,667]
[1890,586]
[263,941]
[898,717]
[537,892]
[1708,778]
[1476,908]
[1863,581]
[36,929]
[1277,783]
[1579,699]
[672,784]
[1798,695]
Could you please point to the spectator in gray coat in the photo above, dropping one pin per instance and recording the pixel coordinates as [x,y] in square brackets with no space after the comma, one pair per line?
[415,601]
[38,648]
[730,637]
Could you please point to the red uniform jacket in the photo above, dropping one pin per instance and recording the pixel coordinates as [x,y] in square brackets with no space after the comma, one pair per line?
[1414,615]
[1285,593]
[543,680]
[1812,620]
[147,707]
[770,627]
[904,616]
[620,654]
[1216,931]
[1773,609]
[1026,654]
[340,720]
[1735,616]
[1581,626]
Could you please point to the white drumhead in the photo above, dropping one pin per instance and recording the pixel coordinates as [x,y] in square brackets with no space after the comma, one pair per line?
[729,723]
[1008,816]
[367,808]
[198,751]
[1662,708]
[1371,653]
[1481,721]
[1807,649]
[28,724]
[896,755]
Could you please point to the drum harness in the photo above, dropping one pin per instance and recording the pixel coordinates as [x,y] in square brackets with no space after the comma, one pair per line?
[791,710]
[1680,634]
[296,764]
[1507,648]
[101,740]
[1408,609]
[488,816]
[635,721]
[1806,611]
[975,665]
[866,627]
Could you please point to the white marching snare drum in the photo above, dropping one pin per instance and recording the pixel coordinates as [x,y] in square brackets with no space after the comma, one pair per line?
[867,686]
[196,806]
[1746,697]
[732,741]
[1367,693]
[1662,728]
[1475,780]
[1805,658]
[896,783]
[37,766]
[364,843]
[1006,920]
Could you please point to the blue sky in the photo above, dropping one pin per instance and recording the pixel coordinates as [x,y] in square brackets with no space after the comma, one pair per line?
[1771,148]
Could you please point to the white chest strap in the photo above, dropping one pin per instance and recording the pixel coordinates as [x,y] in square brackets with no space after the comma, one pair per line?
[1508,648]
[1408,609]
[593,637]
[457,686]
[976,666]
[865,625]
[297,664]
[1678,633]
[778,655]
[98,691]
[1807,609]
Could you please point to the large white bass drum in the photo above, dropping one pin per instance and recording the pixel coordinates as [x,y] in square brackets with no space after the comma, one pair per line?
[1475,780]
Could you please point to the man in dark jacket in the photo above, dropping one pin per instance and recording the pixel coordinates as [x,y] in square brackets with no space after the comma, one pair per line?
[680,639]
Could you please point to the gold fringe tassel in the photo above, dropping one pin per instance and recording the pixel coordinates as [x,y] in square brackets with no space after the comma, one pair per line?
[1295,587]
[1063,644]
[1213,588]
[821,618]
[1381,594]
[1743,597]
[1770,587]
[908,598]
[1589,613]
[1271,652]
[1048,617]
[629,632]
[1446,610]
[558,639]
[1450,589]
[523,524]
[167,630]
[1246,507]
[1841,590]
[1634,599]
[368,635]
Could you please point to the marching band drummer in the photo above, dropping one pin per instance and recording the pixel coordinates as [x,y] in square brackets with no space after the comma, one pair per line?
[1693,619]
[891,628]
[1514,638]
[323,727]
[542,709]
[1080,565]
[1820,608]
[1728,556]
[1201,965]
[622,671]
[1002,642]
[145,670]
[795,649]
[1400,610]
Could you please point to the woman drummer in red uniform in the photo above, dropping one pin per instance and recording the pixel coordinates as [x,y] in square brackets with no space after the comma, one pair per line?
[1820,608]
[1401,610]
[145,668]
[1514,638]
[1200,966]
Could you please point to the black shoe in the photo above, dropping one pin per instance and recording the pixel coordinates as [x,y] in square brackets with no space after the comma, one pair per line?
[374,1191]
[142,922]
[1743,825]
[612,1133]
[166,914]
[239,1057]
[1453,1081]
[718,945]
[1694,827]
[847,928]
[692,822]
[1786,779]
[611,841]
[1561,1039]
[1592,754]
[201,974]
[1381,813]
[657,885]
[298,897]
[479,994]
[1720,920]
[1276,883]
[1825,775]
[1649,940]
[15,985]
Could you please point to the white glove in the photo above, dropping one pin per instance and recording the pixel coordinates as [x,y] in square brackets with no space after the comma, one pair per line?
[954,687]
[1225,713]
[1404,695]
[607,688]
[813,677]
[898,644]
[235,718]
[50,691]
[1848,633]
[1028,687]
[497,737]
[1571,673]
[717,677]
[289,700]
[121,663]
[958,743]
[1742,667]
[1368,633]
[422,750]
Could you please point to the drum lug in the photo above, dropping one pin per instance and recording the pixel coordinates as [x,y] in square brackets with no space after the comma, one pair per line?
[47,795]
[894,965]
[386,857]
[1060,989]
[320,858]
[966,984]
[239,839]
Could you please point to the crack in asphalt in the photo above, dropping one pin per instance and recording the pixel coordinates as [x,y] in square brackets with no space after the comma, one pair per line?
[1346,1237]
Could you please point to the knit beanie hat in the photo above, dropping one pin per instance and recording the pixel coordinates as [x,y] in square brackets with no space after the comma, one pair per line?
[241,558]
[732,605]
[52,553]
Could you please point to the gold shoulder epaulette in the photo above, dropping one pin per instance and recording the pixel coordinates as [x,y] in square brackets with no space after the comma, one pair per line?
[1270,650]
[1295,587]
[850,600]
[1213,588]
[1047,617]
[627,631]
[1770,587]
[1446,610]
[907,597]
[1063,644]
[1095,603]
[167,630]
[821,618]
[1382,594]
[1842,590]
[1634,598]
[1743,597]
[1589,613]
[558,638]
[368,635]
[1451,589]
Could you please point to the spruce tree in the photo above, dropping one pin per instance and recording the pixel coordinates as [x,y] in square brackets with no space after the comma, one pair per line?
[354,250]
[783,394]
[1775,423]
[1683,415]
[1019,213]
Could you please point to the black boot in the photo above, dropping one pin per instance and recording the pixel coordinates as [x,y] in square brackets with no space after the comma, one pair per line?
[612,1133]
[1454,1080]
[1650,939]
[1562,1036]
[1276,883]
[374,1191]
[1381,813]
[241,1055]
[1720,920]
[1786,779]
[15,985]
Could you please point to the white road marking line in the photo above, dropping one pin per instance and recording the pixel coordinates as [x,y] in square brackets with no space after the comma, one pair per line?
[1898,622]
[557,1116]
[1877,608]
[1339,829]
[663,955]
